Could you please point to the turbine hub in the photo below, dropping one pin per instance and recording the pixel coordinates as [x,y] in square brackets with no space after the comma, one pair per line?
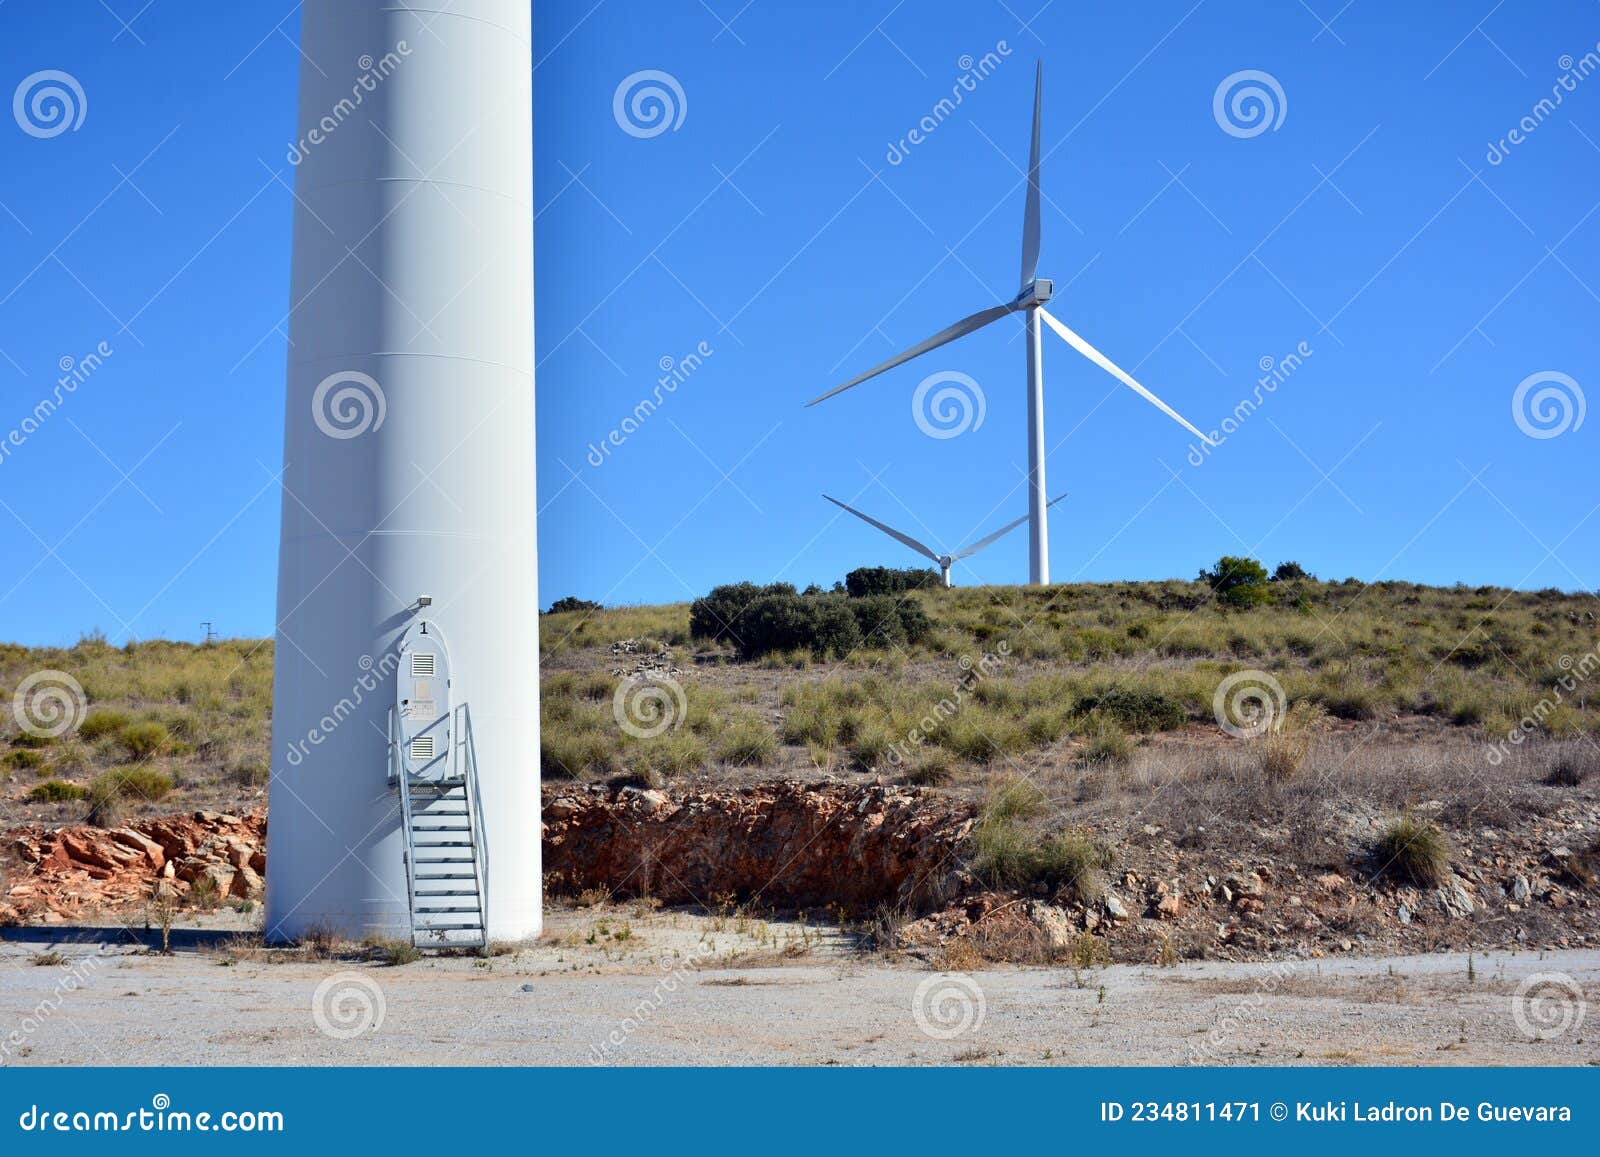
[1034,294]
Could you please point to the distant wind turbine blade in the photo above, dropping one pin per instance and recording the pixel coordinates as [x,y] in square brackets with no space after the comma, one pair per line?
[1030,215]
[889,530]
[967,551]
[949,334]
[1110,367]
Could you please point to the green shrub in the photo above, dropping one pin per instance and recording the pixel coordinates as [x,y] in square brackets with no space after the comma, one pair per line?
[1134,709]
[100,724]
[932,768]
[24,759]
[144,740]
[823,624]
[55,791]
[572,603]
[141,784]
[671,753]
[1004,855]
[1412,851]
[887,580]
[720,614]
[1239,582]
[747,741]
[1075,863]
[1108,743]
[1292,572]
[567,754]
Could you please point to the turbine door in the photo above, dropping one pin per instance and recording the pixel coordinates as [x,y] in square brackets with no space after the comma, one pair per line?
[422,707]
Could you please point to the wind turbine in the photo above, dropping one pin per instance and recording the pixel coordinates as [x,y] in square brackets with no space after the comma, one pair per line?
[1030,303]
[943,561]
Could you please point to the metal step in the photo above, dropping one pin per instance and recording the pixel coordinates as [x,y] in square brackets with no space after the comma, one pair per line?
[441,829]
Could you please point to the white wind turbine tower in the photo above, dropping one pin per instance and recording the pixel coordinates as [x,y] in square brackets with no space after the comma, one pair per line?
[1029,302]
[943,561]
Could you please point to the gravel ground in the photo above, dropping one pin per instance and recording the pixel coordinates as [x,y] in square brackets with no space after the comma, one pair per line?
[638,987]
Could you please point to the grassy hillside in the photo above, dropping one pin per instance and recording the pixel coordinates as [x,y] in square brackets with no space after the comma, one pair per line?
[1092,665]
[166,726]
[1079,675]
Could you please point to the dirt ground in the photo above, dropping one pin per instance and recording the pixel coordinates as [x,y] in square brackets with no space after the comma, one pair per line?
[629,985]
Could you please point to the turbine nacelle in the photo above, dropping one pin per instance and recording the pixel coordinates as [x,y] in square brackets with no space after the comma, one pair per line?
[1034,294]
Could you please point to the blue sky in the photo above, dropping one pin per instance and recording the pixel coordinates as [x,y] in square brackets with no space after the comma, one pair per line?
[770,225]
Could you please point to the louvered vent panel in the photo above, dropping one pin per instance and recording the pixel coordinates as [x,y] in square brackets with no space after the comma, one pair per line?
[422,664]
[422,747]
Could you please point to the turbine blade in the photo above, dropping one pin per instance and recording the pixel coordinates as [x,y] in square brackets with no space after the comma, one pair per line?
[889,530]
[966,551]
[949,334]
[1110,367]
[1030,215]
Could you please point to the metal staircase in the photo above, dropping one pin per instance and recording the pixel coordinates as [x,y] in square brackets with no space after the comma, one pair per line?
[446,863]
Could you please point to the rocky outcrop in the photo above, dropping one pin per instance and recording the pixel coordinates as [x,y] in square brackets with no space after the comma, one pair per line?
[64,874]
[782,845]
